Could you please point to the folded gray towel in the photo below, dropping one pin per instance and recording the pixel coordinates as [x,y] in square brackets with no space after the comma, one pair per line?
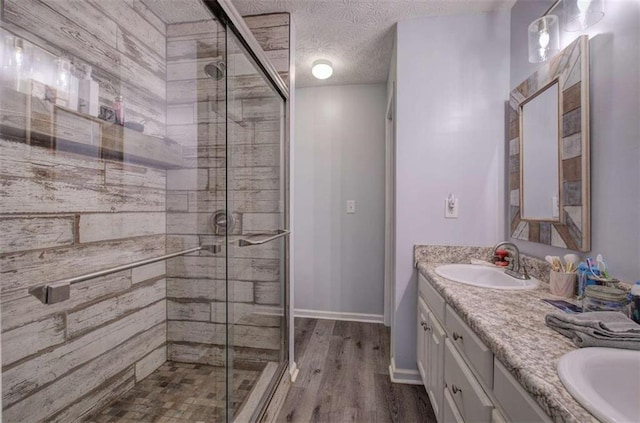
[597,329]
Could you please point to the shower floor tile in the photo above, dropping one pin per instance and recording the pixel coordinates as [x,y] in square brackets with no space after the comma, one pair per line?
[179,393]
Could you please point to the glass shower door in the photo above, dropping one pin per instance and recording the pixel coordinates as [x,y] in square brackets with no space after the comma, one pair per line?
[255,186]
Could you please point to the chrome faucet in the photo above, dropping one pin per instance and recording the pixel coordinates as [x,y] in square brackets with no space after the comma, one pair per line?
[516,267]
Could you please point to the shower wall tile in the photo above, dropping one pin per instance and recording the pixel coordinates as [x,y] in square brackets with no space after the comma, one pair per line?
[149,271]
[85,319]
[248,178]
[36,181]
[268,293]
[108,226]
[138,176]
[247,269]
[209,289]
[150,363]
[261,222]
[187,179]
[189,310]
[31,232]
[32,338]
[214,333]
[254,201]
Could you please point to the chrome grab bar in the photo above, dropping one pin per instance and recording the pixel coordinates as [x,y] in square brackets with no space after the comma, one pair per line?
[279,234]
[58,291]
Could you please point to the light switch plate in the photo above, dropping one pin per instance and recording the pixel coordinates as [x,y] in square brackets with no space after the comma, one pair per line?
[351,206]
[451,213]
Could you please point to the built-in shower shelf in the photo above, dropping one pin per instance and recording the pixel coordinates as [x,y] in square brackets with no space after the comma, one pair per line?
[36,121]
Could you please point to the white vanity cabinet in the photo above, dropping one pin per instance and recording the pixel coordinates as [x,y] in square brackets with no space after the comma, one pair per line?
[464,381]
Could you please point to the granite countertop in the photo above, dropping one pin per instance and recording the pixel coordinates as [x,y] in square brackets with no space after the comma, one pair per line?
[511,324]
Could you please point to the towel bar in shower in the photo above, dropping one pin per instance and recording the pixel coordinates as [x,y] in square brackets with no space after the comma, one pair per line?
[270,237]
[58,291]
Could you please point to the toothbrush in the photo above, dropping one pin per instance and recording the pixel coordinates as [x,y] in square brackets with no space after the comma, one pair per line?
[602,266]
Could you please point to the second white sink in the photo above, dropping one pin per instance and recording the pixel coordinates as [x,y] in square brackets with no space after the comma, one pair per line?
[484,276]
[606,381]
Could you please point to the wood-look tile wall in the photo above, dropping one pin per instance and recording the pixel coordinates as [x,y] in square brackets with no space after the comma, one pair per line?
[196,290]
[64,214]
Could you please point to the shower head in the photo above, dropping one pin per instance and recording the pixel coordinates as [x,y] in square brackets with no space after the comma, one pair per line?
[216,70]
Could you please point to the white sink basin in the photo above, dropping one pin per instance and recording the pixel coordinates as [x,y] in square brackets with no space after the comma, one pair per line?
[606,381]
[484,276]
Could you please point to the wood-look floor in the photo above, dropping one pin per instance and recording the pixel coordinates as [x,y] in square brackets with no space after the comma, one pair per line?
[344,377]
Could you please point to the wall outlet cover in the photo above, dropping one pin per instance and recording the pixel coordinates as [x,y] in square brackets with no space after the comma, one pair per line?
[351,206]
[451,212]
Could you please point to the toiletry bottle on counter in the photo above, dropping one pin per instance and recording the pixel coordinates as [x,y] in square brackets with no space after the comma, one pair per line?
[88,101]
[118,107]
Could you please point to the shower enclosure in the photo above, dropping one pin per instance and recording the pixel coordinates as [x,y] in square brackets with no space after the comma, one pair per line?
[143,213]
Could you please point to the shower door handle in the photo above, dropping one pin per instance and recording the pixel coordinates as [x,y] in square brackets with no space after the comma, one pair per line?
[248,242]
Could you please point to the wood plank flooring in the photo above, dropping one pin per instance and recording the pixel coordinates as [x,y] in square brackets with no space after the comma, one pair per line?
[344,377]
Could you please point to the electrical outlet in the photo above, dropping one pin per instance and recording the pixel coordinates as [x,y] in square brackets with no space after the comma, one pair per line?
[351,206]
[451,208]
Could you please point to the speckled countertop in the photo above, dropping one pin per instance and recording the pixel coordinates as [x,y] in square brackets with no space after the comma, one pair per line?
[511,324]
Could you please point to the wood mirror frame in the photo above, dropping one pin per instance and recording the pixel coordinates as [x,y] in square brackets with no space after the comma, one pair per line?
[571,69]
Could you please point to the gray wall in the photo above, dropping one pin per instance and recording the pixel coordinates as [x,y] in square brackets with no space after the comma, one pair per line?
[615,133]
[339,146]
[452,80]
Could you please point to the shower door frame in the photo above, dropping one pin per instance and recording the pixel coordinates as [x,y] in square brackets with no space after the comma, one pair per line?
[230,19]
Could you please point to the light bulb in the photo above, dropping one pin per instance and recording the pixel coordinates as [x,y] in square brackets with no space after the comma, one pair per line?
[544,39]
[19,52]
[583,5]
[322,69]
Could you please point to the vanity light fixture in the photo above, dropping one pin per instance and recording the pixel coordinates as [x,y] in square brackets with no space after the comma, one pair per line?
[544,37]
[322,69]
[581,14]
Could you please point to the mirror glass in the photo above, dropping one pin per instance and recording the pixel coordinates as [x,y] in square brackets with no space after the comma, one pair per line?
[539,146]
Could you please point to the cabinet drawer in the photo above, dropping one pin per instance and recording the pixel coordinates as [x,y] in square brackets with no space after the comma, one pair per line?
[516,402]
[450,413]
[434,300]
[470,345]
[472,402]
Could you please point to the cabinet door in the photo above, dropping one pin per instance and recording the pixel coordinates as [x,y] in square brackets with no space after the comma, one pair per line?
[435,364]
[422,340]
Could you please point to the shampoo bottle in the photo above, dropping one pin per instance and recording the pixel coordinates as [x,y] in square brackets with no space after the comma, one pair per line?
[88,101]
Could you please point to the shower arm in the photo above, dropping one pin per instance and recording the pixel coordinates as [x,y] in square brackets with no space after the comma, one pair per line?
[58,291]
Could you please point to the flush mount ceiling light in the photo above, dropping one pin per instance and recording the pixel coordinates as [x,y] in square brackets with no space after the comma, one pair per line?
[544,37]
[322,69]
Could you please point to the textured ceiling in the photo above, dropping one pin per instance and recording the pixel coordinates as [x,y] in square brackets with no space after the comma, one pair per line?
[355,35]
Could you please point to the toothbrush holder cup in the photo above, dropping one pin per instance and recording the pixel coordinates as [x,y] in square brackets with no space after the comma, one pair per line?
[563,284]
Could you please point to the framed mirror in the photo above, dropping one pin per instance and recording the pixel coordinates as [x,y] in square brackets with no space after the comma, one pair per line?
[548,148]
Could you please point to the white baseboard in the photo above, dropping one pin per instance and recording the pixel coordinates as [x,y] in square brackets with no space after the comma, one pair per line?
[336,315]
[293,371]
[406,376]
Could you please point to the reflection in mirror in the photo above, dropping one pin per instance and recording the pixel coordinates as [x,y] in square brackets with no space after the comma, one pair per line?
[539,146]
